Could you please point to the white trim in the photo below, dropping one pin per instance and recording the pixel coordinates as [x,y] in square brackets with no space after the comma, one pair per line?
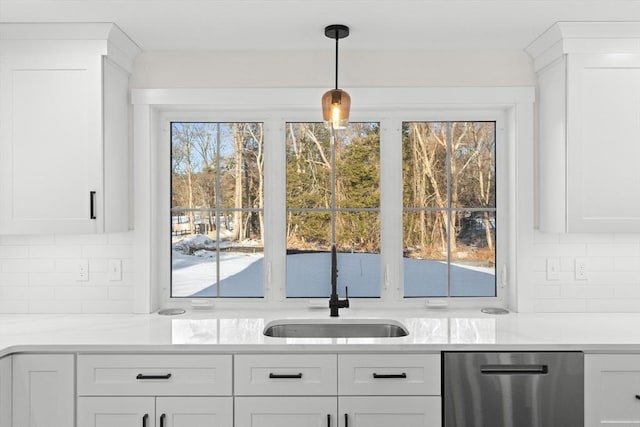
[154,107]
[584,37]
[366,98]
[97,38]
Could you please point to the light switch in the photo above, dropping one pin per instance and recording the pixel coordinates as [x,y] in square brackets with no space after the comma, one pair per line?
[114,268]
[553,269]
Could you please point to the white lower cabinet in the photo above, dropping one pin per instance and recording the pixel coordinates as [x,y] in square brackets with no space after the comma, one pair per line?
[155,411]
[381,390]
[155,390]
[5,391]
[385,411]
[351,411]
[285,411]
[43,390]
[612,390]
[257,390]
[116,411]
[365,390]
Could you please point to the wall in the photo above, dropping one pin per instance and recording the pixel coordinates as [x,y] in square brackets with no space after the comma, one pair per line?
[316,69]
[37,272]
[613,273]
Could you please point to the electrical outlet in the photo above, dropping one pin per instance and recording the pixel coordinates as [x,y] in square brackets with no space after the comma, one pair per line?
[553,269]
[114,269]
[581,269]
[82,272]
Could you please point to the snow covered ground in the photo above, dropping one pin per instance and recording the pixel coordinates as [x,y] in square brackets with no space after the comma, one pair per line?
[308,274]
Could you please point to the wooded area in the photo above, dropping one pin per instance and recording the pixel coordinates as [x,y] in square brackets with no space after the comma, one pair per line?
[449,169]
[449,195]
[217,180]
[357,187]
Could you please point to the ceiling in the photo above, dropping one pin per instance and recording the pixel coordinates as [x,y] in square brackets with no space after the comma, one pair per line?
[298,24]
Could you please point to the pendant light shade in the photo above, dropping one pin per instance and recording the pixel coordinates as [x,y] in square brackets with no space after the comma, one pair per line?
[336,103]
[335,108]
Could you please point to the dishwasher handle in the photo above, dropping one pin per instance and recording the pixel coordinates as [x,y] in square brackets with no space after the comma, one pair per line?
[514,369]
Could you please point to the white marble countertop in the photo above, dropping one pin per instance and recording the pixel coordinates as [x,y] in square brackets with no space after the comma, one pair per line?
[234,331]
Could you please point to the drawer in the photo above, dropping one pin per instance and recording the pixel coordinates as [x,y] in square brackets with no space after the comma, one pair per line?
[286,374]
[389,374]
[154,375]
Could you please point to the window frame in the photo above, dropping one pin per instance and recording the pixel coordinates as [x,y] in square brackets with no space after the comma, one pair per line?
[188,105]
[499,167]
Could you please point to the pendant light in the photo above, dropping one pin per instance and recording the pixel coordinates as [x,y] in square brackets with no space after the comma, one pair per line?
[336,102]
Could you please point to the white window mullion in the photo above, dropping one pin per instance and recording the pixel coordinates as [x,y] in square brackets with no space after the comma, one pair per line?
[275,272]
[391,209]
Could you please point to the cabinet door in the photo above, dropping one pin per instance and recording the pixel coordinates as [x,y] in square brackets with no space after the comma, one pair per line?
[602,151]
[5,391]
[194,411]
[385,411]
[612,387]
[285,412]
[43,390]
[50,143]
[116,412]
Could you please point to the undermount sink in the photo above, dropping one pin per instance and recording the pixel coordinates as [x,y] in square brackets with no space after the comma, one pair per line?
[335,328]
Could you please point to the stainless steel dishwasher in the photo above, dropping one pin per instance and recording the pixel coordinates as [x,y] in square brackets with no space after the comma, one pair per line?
[518,389]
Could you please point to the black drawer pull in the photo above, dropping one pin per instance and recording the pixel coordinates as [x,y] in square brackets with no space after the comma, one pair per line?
[272,375]
[153,377]
[638,396]
[162,418]
[514,369]
[402,375]
[92,205]
[145,417]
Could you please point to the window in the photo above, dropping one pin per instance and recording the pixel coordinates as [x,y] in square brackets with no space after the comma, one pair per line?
[333,197]
[287,216]
[449,214]
[217,219]
[509,109]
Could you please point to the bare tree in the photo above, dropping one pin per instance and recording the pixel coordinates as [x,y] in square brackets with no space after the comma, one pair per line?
[183,147]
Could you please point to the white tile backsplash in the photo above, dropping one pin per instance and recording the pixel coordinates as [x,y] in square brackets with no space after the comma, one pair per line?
[38,274]
[613,272]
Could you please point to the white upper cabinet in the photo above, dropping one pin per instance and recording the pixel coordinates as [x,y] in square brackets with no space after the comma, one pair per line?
[64,128]
[589,127]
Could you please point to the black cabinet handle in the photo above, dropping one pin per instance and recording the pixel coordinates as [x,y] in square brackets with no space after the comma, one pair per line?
[514,369]
[638,396]
[153,377]
[145,417]
[272,375]
[162,418]
[92,205]
[328,420]
[346,420]
[402,375]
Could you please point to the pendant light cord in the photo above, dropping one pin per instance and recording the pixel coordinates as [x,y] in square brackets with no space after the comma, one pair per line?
[337,59]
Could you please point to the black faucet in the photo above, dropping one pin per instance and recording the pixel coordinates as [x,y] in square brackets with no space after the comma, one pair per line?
[335,303]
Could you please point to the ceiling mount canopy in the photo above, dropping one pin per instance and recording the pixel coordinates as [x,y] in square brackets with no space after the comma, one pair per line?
[336,103]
